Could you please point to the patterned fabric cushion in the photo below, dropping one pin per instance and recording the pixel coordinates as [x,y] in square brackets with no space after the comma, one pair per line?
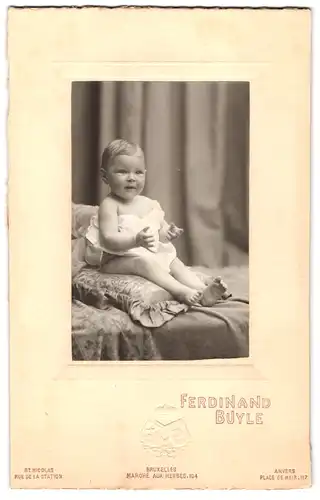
[144,301]
[109,335]
[78,246]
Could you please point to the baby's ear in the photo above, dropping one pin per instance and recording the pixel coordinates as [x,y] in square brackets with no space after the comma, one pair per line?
[103,175]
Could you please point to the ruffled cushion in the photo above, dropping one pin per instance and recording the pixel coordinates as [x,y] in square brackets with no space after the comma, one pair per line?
[109,335]
[81,216]
[144,301]
[78,246]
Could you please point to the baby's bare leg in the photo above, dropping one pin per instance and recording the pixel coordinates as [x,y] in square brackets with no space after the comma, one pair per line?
[149,269]
[211,291]
[186,276]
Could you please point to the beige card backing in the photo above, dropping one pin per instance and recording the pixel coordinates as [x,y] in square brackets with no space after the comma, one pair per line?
[85,425]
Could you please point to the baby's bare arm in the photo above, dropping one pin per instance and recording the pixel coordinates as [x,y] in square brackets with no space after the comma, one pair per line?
[114,240]
[108,225]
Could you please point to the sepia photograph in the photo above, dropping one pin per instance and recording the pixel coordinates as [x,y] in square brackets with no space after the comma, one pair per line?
[162,311]
[160,220]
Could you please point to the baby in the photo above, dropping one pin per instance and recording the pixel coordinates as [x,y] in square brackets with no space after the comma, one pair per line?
[129,235]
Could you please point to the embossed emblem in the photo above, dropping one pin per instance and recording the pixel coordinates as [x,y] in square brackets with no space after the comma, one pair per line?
[165,432]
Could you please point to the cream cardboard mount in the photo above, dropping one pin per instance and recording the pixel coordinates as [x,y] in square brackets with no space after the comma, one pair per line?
[159,425]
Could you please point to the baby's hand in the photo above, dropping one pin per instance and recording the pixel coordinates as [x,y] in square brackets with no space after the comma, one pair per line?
[173,232]
[145,238]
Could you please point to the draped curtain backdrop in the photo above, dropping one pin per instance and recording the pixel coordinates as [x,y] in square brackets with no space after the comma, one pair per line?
[195,137]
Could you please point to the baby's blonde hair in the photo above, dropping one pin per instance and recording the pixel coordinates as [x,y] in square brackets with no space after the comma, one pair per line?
[116,148]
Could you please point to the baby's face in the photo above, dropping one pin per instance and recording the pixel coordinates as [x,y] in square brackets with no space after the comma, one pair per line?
[126,176]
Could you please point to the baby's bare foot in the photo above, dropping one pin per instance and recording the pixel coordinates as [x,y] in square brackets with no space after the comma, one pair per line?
[213,293]
[190,297]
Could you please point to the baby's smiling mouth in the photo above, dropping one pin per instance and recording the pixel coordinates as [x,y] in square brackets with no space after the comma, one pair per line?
[131,187]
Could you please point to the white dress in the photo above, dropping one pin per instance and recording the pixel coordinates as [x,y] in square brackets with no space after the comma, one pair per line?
[165,252]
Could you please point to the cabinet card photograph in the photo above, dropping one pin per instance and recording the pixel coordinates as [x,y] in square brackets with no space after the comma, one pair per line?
[158,214]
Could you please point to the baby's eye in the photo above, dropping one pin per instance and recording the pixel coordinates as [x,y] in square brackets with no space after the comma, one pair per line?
[122,172]
[140,172]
